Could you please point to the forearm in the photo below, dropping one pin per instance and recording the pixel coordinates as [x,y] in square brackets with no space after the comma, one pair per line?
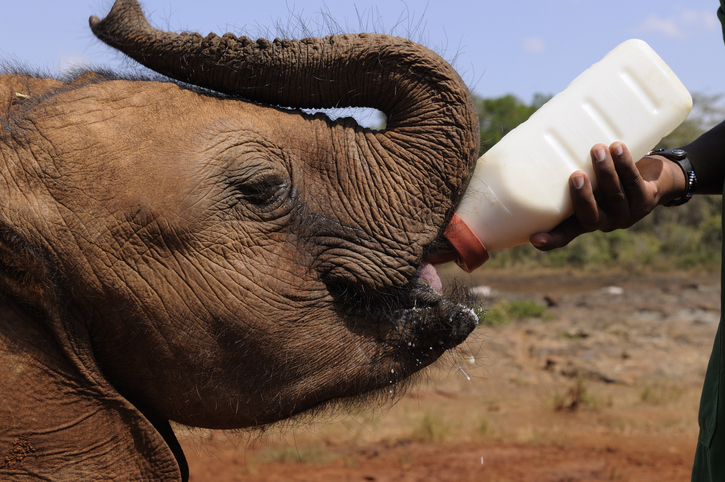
[707,154]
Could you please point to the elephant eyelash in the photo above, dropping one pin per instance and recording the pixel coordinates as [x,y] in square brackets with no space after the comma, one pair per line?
[261,190]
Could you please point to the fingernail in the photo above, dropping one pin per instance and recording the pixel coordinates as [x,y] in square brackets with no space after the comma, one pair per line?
[577,181]
[538,242]
[600,154]
[617,149]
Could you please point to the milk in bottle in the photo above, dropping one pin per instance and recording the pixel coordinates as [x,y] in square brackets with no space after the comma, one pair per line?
[520,186]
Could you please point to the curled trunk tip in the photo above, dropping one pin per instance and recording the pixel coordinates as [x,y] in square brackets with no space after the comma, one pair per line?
[125,14]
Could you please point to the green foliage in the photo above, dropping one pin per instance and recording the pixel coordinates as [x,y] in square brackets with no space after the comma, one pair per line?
[660,246]
[484,427]
[661,392]
[500,116]
[685,237]
[505,312]
[293,455]
[576,397]
[431,429]
[707,111]
[521,309]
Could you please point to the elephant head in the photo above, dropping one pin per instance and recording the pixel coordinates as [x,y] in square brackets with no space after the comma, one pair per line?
[198,252]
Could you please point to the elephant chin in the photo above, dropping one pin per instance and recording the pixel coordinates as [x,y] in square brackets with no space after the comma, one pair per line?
[432,320]
[418,322]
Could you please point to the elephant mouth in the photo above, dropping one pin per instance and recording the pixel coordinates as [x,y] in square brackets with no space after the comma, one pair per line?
[432,317]
[416,323]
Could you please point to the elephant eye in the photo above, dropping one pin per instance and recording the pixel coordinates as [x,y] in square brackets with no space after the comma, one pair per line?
[262,191]
[261,186]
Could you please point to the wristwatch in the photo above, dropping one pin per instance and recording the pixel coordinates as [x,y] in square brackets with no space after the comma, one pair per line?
[679,157]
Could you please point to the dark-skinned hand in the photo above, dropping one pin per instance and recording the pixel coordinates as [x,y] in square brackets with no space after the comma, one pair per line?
[625,193]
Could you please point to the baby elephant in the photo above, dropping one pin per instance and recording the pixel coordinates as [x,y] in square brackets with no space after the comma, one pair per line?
[184,249]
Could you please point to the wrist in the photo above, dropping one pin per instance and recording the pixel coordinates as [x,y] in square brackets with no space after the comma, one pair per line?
[682,174]
[678,185]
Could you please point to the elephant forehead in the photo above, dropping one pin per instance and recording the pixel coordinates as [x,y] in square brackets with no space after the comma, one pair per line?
[122,143]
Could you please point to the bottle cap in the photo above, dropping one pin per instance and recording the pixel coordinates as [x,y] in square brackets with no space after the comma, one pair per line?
[469,254]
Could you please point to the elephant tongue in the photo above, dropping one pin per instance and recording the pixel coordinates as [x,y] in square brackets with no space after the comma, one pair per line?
[428,272]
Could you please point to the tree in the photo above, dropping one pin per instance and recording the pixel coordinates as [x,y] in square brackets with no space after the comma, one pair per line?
[707,111]
[499,116]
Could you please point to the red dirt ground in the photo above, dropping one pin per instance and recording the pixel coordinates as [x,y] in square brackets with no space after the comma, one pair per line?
[591,459]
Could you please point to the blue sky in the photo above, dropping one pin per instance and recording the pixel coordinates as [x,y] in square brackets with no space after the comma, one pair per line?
[498,46]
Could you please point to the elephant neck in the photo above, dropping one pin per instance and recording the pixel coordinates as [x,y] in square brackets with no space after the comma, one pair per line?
[50,410]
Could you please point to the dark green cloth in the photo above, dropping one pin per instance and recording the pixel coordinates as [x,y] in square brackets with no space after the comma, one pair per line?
[710,454]
[709,463]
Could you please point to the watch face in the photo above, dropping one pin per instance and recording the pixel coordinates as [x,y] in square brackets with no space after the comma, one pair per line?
[678,152]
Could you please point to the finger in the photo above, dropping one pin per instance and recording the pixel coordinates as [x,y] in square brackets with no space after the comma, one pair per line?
[586,209]
[610,189]
[629,176]
[585,218]
[559,236]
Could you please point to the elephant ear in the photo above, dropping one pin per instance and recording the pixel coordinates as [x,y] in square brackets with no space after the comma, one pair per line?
[55,400]
[63,422]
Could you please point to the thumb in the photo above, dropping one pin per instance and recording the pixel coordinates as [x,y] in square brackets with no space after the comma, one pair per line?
[559,236]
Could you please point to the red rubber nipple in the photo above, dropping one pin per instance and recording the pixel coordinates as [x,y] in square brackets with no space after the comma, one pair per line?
[469,254]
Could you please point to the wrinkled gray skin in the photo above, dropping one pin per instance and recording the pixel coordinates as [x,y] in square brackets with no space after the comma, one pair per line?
[171,254]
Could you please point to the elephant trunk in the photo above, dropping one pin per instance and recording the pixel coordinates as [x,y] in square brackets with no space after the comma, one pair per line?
[420,93]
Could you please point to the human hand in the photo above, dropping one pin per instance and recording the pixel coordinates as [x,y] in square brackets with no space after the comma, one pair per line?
[626,192]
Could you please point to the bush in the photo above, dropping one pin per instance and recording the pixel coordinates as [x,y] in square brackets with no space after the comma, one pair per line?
[294,455]
[431,429]
[661,392]
[576,397]
[686,237]
[505,312]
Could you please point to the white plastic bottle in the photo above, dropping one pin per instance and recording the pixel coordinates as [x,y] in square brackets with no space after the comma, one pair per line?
[520,186]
